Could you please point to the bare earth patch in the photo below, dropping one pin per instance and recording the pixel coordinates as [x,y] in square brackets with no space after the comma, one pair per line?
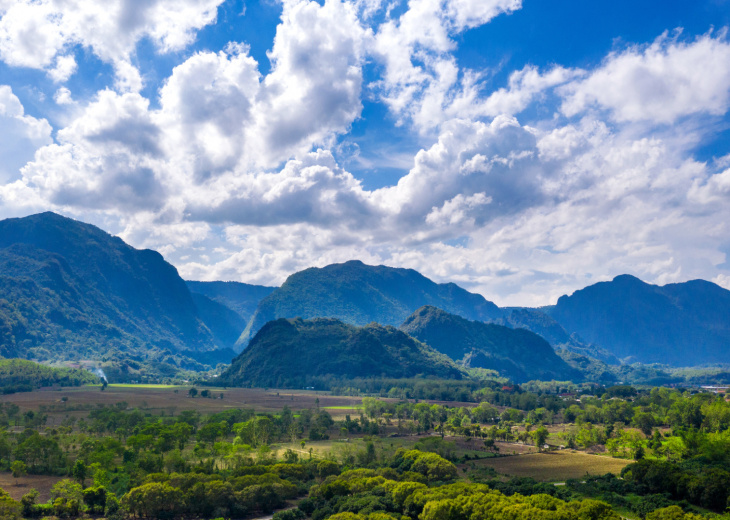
[555,466]
[42,483]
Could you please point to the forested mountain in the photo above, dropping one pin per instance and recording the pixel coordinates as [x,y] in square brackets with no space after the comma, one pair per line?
[294,352]
[515,353]
[547,327]
[226,307]
[241,298]
[71,291]
[360,294]
[683,324]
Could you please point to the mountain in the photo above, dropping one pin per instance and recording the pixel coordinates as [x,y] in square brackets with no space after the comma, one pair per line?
[683,324]
[70,291]
[296,352]
[241,298]
[226,307]
[515,353]
[548,328]
[359,294]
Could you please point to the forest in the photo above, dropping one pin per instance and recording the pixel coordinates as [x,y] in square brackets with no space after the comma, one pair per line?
[395,457]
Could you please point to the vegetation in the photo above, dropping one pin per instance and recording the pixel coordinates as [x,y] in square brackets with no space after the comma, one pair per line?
[18,375]
[292,353]
[519,354]
[646,323]
[241,298]
[359,294]
[393,459]
[69,292]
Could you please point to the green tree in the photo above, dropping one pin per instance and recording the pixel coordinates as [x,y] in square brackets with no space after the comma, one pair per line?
[79,472]
[540,436]
[19,469]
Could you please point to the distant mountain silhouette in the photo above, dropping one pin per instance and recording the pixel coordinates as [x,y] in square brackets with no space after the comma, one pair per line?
[547,327]
[359,294]
[241,298]
[291,353]
[682,324]
[70,291]
[515,353]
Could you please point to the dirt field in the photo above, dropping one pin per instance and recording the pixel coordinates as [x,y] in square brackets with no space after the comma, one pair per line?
[172,399]
[555,466]
[24,484]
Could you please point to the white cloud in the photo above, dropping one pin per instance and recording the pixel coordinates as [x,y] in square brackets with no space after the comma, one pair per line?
[313,91]
[206,112]
[63,96]
[421,76]
[231,175]
[20,134]
[105,159]
[38,33]
[64,69]
[659,83]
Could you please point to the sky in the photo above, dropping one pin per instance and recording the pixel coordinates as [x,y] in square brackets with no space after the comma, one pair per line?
[523,149]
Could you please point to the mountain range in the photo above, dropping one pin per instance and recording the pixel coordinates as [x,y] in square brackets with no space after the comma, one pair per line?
[518,354]
[360,294]
[71,292]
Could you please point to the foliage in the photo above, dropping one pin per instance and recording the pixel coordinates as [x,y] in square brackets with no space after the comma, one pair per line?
[359,294]
[518,354]
[288,353]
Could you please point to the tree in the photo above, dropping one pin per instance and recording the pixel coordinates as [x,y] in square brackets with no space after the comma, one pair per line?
[540,436]
[19,469]
[78,472]
[9,508]
[193,392]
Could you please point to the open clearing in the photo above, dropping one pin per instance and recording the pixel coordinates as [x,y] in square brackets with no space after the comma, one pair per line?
[170,400]
[24,484]
[555,466]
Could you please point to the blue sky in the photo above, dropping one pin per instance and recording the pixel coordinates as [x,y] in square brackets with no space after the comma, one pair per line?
[522,149]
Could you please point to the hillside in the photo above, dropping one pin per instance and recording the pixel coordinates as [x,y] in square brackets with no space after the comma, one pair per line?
[293,353]
[684,324]
[241,298]
[547,327]
[70,291]
[20,375]
[515,353]
[359,294]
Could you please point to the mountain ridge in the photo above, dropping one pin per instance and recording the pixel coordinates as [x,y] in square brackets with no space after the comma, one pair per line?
[358,294]
[518,353]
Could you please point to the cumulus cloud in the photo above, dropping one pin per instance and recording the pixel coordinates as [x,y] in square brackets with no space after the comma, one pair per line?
[659,83]
[104,159]
[314,88]
[40,33]
[421,76]
[21,135]
[229,171]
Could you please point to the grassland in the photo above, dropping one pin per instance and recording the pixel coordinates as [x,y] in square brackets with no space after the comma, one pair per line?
[554,466]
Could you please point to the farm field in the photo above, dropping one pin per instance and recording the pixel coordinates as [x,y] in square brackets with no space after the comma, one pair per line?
[18,488]
[172,399]
[555,466]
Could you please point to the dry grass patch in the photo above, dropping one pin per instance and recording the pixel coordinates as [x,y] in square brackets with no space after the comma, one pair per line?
[555,466]
[18,488]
